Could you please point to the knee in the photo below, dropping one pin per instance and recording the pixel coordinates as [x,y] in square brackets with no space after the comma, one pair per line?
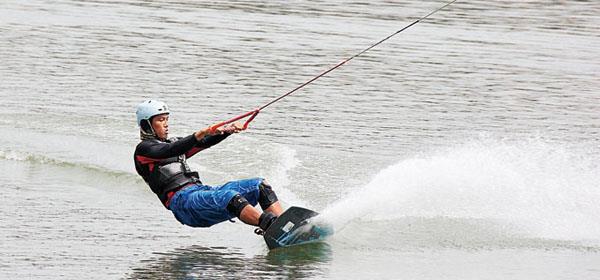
[236,204]
[266,195]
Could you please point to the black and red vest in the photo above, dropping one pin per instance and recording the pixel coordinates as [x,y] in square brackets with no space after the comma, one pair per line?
[162,164]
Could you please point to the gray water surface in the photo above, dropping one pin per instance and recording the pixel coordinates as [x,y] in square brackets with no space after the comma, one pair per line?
[466,147]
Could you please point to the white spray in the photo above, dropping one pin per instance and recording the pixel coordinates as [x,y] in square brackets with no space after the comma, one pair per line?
[546,190]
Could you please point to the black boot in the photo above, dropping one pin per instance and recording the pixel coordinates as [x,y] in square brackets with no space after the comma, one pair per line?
[264,222]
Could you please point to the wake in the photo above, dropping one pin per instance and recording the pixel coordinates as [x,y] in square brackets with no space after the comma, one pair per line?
[541,189]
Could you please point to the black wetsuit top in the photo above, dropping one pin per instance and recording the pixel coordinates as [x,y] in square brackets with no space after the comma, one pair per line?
[163,165]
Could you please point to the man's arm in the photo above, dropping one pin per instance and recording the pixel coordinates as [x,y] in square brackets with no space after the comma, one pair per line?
[205,143]
[162,150]
[206,140]
[156,150]
[211,140]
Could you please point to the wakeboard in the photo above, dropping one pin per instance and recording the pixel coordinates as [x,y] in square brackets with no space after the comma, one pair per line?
[294,227]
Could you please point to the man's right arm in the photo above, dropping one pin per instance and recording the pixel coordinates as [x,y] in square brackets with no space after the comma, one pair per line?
[161,150]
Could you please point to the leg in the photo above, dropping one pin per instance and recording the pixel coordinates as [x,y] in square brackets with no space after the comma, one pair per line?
[250,215]
[240,207]
[249,193]
[268,200]
[201,206]
[204,206]
[275,208]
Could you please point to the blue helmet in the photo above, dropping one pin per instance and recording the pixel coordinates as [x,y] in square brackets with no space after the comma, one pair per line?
[150,108]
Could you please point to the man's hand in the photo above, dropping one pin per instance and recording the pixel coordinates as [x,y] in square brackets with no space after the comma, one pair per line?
[228,128]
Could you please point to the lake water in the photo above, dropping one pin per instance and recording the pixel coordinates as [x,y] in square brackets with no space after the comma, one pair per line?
[466,147]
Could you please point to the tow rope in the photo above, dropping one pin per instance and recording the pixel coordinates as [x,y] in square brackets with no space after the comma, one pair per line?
[255,112]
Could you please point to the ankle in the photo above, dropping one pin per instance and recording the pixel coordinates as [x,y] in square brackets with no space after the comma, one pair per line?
[265,220]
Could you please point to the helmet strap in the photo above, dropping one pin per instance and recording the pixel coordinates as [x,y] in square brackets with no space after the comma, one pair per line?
[146,130]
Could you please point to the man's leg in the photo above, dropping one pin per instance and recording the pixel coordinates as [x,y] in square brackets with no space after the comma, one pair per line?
[275,208]
[240,207]
[250,215]
[268,200]
[251,192]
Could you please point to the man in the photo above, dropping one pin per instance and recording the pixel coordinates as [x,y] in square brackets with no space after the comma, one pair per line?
[162,163]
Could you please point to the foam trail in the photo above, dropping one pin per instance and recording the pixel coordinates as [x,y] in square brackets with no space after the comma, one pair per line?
[275,160]
[26,145]
[545,190]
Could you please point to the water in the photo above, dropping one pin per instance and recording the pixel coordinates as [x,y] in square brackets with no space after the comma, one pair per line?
[466,147]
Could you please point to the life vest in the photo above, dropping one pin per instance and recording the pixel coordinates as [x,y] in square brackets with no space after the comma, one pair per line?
[169,175]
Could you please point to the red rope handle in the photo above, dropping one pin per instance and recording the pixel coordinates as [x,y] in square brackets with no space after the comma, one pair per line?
[213,128]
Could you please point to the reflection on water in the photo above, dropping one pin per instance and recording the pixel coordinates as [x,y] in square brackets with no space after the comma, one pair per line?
[219,262]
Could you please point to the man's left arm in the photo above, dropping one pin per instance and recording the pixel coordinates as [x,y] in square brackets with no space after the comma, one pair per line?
[205,143]
[211,140]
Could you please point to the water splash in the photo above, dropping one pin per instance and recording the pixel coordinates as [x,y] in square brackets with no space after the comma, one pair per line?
[544,190]
[278,162]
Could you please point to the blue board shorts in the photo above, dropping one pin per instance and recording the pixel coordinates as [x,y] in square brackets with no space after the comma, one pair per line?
[204,206]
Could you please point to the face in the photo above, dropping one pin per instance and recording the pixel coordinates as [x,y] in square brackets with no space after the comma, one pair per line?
[160,124]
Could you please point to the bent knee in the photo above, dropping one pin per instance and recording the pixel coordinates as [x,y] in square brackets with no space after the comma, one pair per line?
[266,195]
[237,204]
